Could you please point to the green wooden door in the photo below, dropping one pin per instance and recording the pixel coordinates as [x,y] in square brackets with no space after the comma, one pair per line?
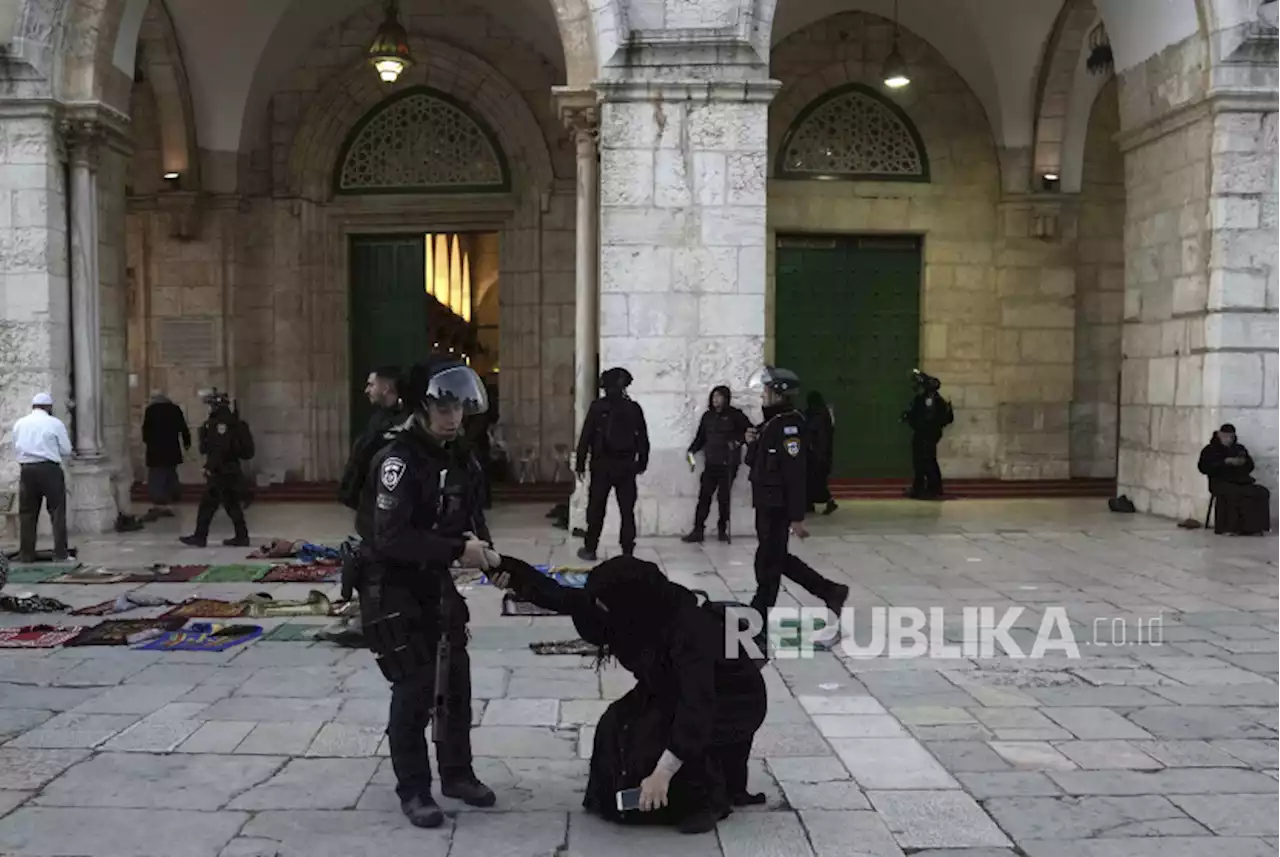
[847,321]
[388,318]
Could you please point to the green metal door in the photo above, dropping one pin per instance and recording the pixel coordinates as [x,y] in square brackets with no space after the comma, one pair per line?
[388,318]
[847,321]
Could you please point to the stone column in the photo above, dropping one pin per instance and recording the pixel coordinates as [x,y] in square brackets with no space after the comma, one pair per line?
[578,110]
[682,265]
[82,140]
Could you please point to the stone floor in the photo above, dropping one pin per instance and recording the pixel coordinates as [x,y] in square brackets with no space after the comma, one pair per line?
[1141,747]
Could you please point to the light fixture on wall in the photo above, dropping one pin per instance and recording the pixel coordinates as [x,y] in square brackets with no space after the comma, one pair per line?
[172,176]
[895,67]
[1049,182]
[389,53]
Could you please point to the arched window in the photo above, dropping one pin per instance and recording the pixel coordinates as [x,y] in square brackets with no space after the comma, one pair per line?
[853,132]
[421,141]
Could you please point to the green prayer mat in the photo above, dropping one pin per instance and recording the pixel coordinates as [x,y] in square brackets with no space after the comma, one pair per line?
[292,632]
[39,572]
[232,574]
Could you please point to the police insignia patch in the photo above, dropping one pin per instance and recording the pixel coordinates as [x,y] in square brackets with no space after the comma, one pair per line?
[392,470]
[222,428]
[793,448]
[790,430]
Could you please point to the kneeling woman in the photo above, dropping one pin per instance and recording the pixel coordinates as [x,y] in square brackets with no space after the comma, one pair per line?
[683,734]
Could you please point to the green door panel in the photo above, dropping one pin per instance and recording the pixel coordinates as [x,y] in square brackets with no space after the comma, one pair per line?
[388,311]
[847,321]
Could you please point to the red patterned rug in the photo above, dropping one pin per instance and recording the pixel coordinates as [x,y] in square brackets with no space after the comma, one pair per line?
[302,574]
[206,608]
[37,636]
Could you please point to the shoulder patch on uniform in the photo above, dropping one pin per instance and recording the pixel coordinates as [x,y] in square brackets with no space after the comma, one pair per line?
[392,470]
[793,448]
[789,430]
[222,428]
[386,502]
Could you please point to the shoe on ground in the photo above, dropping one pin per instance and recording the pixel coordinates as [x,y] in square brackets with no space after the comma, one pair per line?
[469,790]
[693,538]
[836,604]
[193,541]
[587,554]
[422,812]
[831,507]
[748,799]
[724,537]
[239,542]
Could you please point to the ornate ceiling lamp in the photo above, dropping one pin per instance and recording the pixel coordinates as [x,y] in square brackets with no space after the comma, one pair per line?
[895,67]
[389,53]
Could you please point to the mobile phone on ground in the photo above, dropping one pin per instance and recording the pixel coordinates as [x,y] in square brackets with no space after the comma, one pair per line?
[628,799]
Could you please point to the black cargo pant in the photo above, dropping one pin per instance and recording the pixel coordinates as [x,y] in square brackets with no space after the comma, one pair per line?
[774,562]
[402,628]
[221,489]
[924,463]
[620,478]
[716,479]
[37,483]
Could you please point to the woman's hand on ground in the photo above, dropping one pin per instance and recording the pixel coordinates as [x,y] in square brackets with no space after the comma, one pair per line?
[653,791]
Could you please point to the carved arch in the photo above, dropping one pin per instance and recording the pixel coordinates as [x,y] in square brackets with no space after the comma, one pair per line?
[421,140]
[852,132]
[159,58]
[331,113]
[1057,79]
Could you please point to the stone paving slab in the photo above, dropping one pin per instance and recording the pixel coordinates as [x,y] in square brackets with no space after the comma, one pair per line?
[278,748]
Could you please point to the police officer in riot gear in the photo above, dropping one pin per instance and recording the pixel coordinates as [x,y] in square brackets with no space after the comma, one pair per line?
[225,441]
[422,511]
[776,454]
[927,416]
[615,435]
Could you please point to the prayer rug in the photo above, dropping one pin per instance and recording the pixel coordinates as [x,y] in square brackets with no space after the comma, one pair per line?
[172,574]
[292,632]
[232,574]
[115,632]
[31,604]
[103,608]
[91,576]
[123,604]
[36,572]
[512,606]
[206,608]
[565,647]
[37,636]
[302,574]
[203,637]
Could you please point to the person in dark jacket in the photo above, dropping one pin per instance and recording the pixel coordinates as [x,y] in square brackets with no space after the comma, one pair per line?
[615,436]
[928,414]
[165,435]
[683,733]
[383,392]
[1242,506]
[225,441]
[720,436]
[776,455]
[421,511]
[822,431]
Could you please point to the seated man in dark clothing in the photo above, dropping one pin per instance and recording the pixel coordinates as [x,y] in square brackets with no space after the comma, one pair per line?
[1242,506]
[683,734]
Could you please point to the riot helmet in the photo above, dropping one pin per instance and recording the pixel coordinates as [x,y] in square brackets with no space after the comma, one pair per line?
[447,384]
[925,381]
[775,379]
[616,378]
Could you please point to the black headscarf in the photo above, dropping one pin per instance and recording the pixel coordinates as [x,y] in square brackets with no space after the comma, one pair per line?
[639,605]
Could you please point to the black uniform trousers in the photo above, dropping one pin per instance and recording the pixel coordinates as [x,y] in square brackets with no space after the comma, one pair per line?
[620,478]
[402,627]
[221,489]
[41,482]
[716,479]
[924,463]
[774,562]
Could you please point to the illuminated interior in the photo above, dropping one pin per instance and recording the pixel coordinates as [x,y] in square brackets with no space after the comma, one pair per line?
[461,278]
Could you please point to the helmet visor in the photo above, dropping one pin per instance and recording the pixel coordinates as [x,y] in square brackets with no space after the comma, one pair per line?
[760,379]
[459,386]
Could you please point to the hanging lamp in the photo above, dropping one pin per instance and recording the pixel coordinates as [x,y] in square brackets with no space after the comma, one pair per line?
[389,53]
[895,67]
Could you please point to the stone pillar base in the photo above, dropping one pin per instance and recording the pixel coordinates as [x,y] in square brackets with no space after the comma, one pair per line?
[91,502]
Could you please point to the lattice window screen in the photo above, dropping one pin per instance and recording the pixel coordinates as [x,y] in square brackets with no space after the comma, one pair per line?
[421,143]
[852,134]
[187,342]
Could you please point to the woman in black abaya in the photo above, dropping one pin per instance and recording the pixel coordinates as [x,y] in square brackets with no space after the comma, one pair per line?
[683,734]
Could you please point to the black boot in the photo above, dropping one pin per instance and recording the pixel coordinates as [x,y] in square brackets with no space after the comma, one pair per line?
[748,799]
[587,554]
[193,541]
[724,534]
[694,538]
[422,812]
[237,542]
[465,787]
[839,595]
[831,507]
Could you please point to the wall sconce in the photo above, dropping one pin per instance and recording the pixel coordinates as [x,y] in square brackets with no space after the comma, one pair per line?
[1049,182]
[172,177]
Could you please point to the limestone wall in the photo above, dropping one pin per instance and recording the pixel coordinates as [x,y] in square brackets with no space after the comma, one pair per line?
[956,211]
[1099,294]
